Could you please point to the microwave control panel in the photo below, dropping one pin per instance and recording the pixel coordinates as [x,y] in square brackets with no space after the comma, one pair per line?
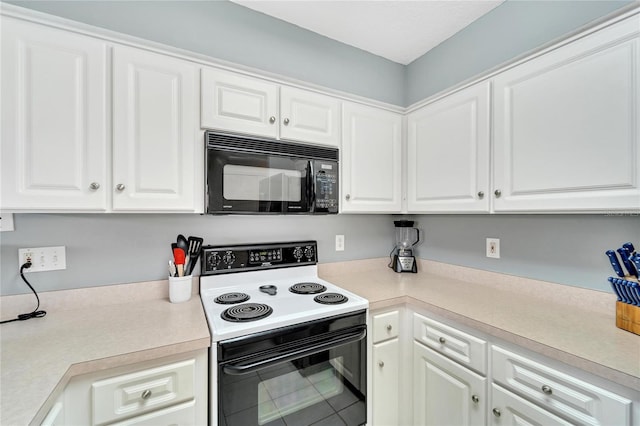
[225,259]
[326,177]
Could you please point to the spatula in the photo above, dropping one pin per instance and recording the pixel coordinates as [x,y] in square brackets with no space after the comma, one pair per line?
[195,246]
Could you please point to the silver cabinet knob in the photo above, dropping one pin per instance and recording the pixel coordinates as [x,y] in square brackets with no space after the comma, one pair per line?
[381,364]
[120,187]
[547,390]
[481,195]
[348,197]
[146,394]
[94,186]
[389,327]
[286,121]
[442,340]
[475,399]
[496,412]
[497,193]
[272,119]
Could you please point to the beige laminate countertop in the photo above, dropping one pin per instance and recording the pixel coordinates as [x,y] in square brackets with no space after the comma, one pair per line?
[572,325]
[84,331]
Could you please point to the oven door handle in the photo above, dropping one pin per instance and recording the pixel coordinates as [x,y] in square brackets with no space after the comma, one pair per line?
[239,369]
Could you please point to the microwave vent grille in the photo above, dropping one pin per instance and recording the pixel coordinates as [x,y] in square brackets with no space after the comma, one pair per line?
[229,142]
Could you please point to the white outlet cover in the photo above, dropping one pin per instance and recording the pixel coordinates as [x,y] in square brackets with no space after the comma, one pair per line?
[339,242]
[44,258]
[493,248]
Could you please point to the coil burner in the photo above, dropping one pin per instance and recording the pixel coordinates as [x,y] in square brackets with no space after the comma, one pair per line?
[331,298]
[307,288]
[231,298]
[246,312]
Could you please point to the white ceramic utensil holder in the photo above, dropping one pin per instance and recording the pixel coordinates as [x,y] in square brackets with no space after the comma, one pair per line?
[180,289]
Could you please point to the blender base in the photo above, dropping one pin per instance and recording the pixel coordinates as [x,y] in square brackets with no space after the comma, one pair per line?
[405,264]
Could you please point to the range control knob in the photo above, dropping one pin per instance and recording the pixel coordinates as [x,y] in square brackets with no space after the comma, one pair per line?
[297,253]
[308,252]
[229,257]
[213,260]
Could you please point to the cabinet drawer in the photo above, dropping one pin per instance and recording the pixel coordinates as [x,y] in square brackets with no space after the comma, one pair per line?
[138,393]
[181,414]
[510,409]
[580,401]
[457,345]
[385,326]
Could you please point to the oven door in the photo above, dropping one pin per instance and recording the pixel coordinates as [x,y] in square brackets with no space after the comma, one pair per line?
[245,182]
[322,379]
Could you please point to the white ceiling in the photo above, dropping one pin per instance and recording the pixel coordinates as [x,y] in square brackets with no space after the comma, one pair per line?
[398,30]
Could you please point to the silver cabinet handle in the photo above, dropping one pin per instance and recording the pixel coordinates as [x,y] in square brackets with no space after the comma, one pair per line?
[146,394]
[286,121]
[120,187]
[547,390]
[496,412]
[442,340]
[381,364]
[481,195]
[497,193]
[475,399]
[348,197]
[94,186]
[389,327]
[272,119]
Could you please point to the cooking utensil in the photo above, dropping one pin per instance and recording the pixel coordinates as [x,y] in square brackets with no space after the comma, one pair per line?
[172,269]
[615,263]
[629,247]
[184,245]
[614,286]
[629,266]
[193,251]
[178,258]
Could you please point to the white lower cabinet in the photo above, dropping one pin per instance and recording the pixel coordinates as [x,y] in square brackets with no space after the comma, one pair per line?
[172,391]
[510,409]
[386,372]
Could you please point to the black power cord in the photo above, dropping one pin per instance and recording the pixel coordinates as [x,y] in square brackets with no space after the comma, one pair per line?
[36,313]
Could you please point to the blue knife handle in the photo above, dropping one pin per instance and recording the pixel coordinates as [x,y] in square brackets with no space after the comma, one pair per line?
[615,288]
[634,289]
[626,298]
[635,259]
[630,290]
[615,263]
[629,247]
[625,255]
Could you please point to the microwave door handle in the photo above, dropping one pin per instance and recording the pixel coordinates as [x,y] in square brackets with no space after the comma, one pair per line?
[311,185]
[240,369]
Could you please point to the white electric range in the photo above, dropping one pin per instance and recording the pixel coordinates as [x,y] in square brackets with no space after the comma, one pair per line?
[276,326]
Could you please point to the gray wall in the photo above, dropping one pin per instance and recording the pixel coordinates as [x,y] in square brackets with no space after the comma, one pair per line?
[117,248]
[567,249]
[506,32]
[224,30]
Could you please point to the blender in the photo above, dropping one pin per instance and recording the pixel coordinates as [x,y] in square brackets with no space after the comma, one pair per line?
[406,237]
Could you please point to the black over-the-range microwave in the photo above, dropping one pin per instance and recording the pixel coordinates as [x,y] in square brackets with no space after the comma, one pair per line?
[251,175]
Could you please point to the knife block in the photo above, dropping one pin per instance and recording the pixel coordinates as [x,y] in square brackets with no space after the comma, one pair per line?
[628,317]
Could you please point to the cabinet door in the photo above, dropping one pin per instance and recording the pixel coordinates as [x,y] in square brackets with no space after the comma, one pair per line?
[510,409]
[386,383]
[567,127]
[445,393]
[309,117]
[448,154]
[371,160]
[54,119]
[239,104]
[154,132]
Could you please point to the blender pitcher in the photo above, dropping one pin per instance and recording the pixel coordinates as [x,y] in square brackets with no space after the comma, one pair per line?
[406,237]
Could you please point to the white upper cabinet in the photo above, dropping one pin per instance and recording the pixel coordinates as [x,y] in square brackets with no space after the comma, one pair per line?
[155,123]
[448,154]
[567,127]
[309,117]
[371,163]
[239,104]
[54,119]
[235,103]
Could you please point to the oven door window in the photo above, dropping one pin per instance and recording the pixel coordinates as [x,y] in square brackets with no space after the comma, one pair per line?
[326,388]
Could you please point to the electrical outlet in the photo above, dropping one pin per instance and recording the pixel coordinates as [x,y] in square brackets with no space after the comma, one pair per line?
[43,258]
[339,242]
[493,248]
